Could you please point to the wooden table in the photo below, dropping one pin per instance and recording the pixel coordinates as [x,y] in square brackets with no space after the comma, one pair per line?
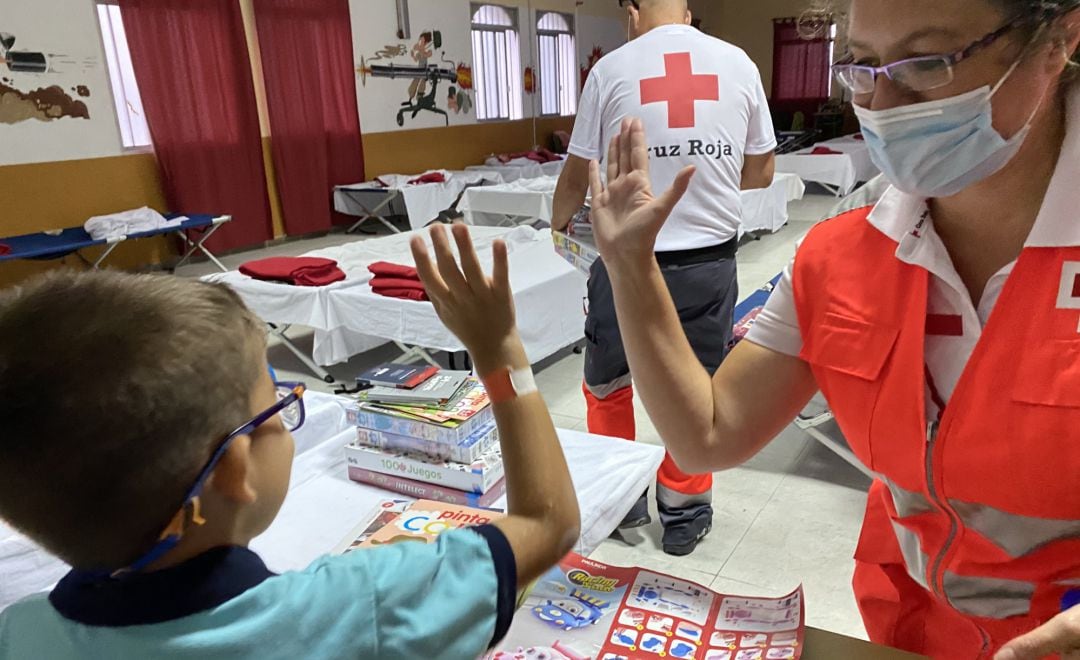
[821,645]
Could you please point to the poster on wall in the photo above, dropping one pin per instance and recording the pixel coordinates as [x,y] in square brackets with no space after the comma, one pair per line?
[55,102]
[422,81]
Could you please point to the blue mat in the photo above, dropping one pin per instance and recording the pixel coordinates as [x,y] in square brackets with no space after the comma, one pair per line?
[756,299]
[44,246]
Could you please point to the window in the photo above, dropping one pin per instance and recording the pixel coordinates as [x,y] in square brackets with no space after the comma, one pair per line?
[496,62]
[558,64]
[129,108]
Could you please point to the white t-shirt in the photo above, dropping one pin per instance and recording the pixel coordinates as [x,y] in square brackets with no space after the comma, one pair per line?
[702,103]
[907,220]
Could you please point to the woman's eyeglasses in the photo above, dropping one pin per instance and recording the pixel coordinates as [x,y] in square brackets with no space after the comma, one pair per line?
[917,74]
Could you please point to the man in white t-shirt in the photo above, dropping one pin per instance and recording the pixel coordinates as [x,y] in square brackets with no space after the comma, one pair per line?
[702,104]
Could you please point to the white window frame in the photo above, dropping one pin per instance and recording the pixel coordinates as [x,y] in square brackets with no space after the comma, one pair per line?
[130,114]
[557,68]
[497,73]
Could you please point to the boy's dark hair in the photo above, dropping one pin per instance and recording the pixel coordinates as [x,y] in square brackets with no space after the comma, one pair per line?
[114,391]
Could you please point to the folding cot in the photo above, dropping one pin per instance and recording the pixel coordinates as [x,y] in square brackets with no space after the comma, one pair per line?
[349,318]
[520,168]
[55,245]
[766,209]
[838,172]
[519,202]
[393,194]
[323,506]
[527,200]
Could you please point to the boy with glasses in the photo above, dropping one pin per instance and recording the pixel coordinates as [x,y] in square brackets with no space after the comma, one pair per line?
[164,448]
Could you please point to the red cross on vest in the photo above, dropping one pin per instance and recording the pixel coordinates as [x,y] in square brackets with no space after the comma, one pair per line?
[680,88]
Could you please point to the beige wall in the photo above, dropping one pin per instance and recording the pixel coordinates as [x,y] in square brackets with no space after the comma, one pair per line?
[748,24]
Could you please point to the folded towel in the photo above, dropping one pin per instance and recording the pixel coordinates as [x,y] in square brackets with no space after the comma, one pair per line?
[118,225]
[825,151]
[383,282]
[430,177]
[403,294]
[299,271]
[393,270]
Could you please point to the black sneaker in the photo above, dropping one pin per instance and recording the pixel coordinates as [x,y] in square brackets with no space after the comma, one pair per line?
[639,515]
[682,539]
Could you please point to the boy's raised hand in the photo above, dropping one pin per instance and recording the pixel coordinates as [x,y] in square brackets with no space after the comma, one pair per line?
[477,308]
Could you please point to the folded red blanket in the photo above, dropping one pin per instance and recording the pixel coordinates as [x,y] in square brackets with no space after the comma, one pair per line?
[383,282]
[549,156]
[825,151]
[859,136]
[299,271]
[393,270]
[4,249]
[404,294]
[430,177]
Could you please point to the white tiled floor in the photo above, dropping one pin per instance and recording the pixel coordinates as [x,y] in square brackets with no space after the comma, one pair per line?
[789,516]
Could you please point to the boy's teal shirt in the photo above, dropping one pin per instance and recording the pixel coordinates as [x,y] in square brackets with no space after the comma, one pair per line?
[451,599]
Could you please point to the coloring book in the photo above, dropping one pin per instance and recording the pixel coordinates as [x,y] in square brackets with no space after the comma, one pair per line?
[585,610]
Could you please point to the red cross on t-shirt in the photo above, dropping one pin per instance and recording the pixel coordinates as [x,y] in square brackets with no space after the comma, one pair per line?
[680,89]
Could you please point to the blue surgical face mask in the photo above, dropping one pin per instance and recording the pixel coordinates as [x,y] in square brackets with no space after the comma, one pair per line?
[939,148]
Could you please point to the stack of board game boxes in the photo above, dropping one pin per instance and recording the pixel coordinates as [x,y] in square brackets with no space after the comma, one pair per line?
[428,434]
[577,244]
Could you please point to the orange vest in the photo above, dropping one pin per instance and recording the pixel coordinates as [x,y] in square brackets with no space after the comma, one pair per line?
[972,530]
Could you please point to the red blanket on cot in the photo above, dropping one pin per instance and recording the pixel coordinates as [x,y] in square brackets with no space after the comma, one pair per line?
[383,282]
[393,270]
[397,281]
[299,271]
[825,151]
[430,177]
[404,294]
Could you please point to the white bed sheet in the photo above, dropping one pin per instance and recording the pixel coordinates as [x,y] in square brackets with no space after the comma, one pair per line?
[323,505]
[554,168]
[423,202]
[843,171]
[348,318]
[527,198]
[766,209]
[510,173]
[534,199]
[865,169]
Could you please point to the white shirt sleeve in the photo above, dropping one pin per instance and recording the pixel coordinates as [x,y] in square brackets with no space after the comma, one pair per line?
[588,126]
[777,326]
[760,139]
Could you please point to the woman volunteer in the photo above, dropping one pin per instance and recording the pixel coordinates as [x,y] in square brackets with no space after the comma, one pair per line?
[942,325]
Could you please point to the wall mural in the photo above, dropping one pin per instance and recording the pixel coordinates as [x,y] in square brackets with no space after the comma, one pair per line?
[41,102]
[424,75]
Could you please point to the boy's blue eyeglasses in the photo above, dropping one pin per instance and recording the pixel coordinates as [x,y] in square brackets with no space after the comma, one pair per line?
[290,406]
[919,74]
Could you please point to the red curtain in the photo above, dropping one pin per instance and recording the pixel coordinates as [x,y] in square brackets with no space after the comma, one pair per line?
[307,58]
[800,68]
[191,61]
